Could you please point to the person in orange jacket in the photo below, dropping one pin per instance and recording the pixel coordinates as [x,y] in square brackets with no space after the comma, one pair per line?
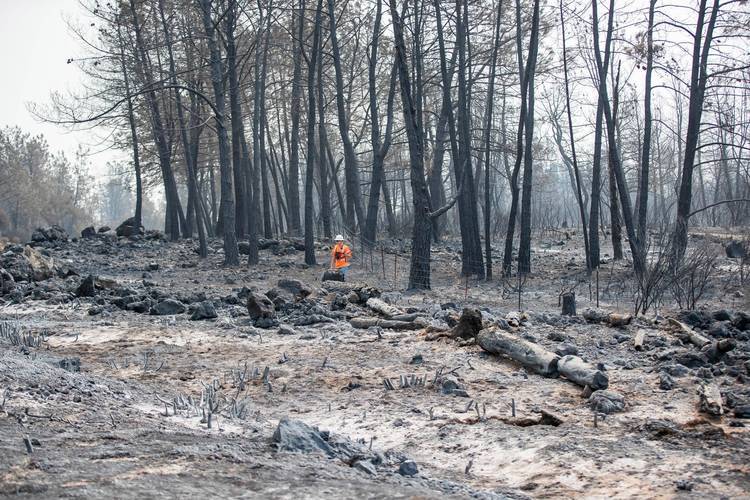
[340,255]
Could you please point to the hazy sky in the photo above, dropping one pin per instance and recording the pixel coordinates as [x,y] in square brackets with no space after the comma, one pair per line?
[34,46]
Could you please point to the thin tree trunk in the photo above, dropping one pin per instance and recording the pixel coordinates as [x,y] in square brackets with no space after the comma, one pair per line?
[524,246]
[309,171]
[231,252]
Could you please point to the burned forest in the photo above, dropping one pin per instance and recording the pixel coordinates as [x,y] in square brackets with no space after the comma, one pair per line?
[492,249]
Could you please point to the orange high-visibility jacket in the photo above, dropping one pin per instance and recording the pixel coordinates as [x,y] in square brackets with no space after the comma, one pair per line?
[341,255]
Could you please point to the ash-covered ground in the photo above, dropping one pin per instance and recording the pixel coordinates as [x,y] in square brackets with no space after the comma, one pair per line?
[131,368]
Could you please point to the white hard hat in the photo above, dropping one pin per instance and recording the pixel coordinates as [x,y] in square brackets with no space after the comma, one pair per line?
[338,238]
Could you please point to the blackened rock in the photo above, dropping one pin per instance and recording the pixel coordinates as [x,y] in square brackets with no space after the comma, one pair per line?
[331,275]
[607,401]
[7,283]
[676,370]
[298,437]
[70,364]
[266,322]
[295,287]
[566,349]
[260,307]
[122,302]
[449,385]
[89,232]
[17,266]
[736,250]
[720,330]
[140,307]
[741,321]
[742,411]
[696,319]
[666,383]
[408,468]
[286,330]
[87,288]
[691,359]
[204,310]
[365,466]
[129,228]
[168,307]
[52,233]
[104,229]
[722,315]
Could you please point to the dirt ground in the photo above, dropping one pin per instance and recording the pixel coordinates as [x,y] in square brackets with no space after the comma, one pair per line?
[131,424]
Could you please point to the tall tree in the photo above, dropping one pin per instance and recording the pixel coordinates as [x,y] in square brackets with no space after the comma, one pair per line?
[231,252]
[524,247]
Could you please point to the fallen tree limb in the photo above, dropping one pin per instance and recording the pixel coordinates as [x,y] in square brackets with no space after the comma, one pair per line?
[688,333]
[365,322]
[710,400]
[578,371]
[612,319]
[382,307]
[531,356]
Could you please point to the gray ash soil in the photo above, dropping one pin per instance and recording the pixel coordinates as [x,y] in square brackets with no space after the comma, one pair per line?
[111,430]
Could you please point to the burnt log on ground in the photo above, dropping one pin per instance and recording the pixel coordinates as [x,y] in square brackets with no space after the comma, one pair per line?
[531,356]
[611,319]
[686,333]
[714,351]
[382,307]
[578,371]
[710,400]
[366,322]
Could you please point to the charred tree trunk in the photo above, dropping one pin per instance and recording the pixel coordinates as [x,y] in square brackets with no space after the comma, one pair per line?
[133,134]
[524,246]
[294,204]
[419,273]
[231,252]
[351,168]
[310,168]
[698,78]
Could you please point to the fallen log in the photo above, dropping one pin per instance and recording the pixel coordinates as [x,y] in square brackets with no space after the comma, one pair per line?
[367,322]
[688,333]
[612,319]
[382,307]
[405,317]
[531,356]
[710,400]
[640,338]
[714,351]
[578,371]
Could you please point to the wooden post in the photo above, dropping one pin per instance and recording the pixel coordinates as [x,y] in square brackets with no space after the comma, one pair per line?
[382,259]
[597,287]
[395,267]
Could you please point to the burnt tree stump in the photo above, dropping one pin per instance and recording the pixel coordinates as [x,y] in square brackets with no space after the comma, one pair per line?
[569,304]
